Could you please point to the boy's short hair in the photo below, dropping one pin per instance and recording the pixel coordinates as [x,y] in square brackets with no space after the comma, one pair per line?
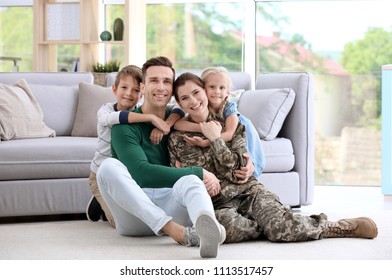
[158,61]
[129,70]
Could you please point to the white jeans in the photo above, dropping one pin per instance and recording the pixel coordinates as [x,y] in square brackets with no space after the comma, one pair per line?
[144,211]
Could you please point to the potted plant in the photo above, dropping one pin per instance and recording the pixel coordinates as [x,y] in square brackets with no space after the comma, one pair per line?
[100,70]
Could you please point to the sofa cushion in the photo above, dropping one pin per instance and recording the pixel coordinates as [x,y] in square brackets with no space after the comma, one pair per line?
[60,107]
[20,113]
[91,98]
[46,158]
[279,155]
[235,95]
[59,104]
[267,109]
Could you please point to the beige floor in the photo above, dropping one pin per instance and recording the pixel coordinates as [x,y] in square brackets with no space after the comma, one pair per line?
[84,240]
[81,249]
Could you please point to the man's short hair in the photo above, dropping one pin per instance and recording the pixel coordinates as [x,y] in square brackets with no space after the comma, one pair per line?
[157,61]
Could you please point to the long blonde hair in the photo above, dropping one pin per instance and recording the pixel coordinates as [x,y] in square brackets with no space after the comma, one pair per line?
[219,70]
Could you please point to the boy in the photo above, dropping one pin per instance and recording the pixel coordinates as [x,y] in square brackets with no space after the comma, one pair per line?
[126,88]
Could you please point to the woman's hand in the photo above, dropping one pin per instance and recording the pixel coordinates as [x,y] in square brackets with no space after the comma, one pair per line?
[196,141]
[212,130]
[211,182]
[243,174]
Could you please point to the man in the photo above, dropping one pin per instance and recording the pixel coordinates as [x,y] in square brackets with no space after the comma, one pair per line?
[144,194]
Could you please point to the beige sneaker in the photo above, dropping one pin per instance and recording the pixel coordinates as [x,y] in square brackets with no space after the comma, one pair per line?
[361,227]
[211,234]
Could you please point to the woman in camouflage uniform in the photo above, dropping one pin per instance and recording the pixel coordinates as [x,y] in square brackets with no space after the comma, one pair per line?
[247,210]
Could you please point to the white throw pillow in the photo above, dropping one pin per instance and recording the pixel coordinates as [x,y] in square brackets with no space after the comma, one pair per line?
[20,114]
[267,109]
[91,98]
[235,95]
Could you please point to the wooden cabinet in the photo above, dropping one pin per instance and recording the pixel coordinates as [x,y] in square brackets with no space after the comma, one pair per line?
[87,37]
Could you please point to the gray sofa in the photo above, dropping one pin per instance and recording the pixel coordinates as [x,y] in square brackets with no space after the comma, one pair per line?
[46,176]
[294,185]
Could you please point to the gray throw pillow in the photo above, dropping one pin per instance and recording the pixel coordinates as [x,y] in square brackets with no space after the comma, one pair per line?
[267,109]
[91,98]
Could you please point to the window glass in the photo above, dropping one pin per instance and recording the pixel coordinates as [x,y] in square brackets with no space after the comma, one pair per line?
[344,47]
[196,35]
[16,37]
[67,57]
[114,49]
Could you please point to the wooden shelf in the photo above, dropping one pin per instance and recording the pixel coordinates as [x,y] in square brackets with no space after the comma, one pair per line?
[45,51]
[105,42]
[134,43]
[62,42]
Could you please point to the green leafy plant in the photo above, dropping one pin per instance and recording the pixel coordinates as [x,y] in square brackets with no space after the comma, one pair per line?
[110,66]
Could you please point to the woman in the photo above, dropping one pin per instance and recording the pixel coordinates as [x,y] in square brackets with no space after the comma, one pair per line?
[248,210]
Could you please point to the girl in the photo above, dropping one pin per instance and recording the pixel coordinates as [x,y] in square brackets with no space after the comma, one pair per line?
[218,85]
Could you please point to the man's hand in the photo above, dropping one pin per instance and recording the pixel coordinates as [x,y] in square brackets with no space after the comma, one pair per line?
[243,174]
[178,164]
[156,136]
[211,182]
[162,125]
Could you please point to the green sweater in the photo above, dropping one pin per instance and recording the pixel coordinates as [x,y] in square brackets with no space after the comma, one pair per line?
[147,163]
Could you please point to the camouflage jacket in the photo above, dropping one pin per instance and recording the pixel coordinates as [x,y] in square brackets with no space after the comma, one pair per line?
[220,158]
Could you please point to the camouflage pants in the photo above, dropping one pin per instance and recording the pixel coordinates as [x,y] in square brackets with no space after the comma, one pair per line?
[257,213]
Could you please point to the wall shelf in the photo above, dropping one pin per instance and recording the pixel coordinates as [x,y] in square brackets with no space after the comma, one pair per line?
[134,43]
[63,42]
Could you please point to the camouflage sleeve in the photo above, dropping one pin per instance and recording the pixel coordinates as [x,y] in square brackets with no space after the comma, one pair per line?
[228,156]
[187,155]
[174,153]
[221,158]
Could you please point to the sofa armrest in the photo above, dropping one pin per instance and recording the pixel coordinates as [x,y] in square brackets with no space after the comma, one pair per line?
[48,78]
[298,126]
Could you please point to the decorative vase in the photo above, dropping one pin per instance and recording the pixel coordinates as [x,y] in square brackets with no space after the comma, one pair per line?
[105,36]
[118,29]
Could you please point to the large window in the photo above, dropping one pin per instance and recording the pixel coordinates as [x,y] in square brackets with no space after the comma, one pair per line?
[197,35]
[343,44]
[16,40]
[16,37]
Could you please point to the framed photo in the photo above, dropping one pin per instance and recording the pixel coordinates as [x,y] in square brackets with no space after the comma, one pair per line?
[62,21]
